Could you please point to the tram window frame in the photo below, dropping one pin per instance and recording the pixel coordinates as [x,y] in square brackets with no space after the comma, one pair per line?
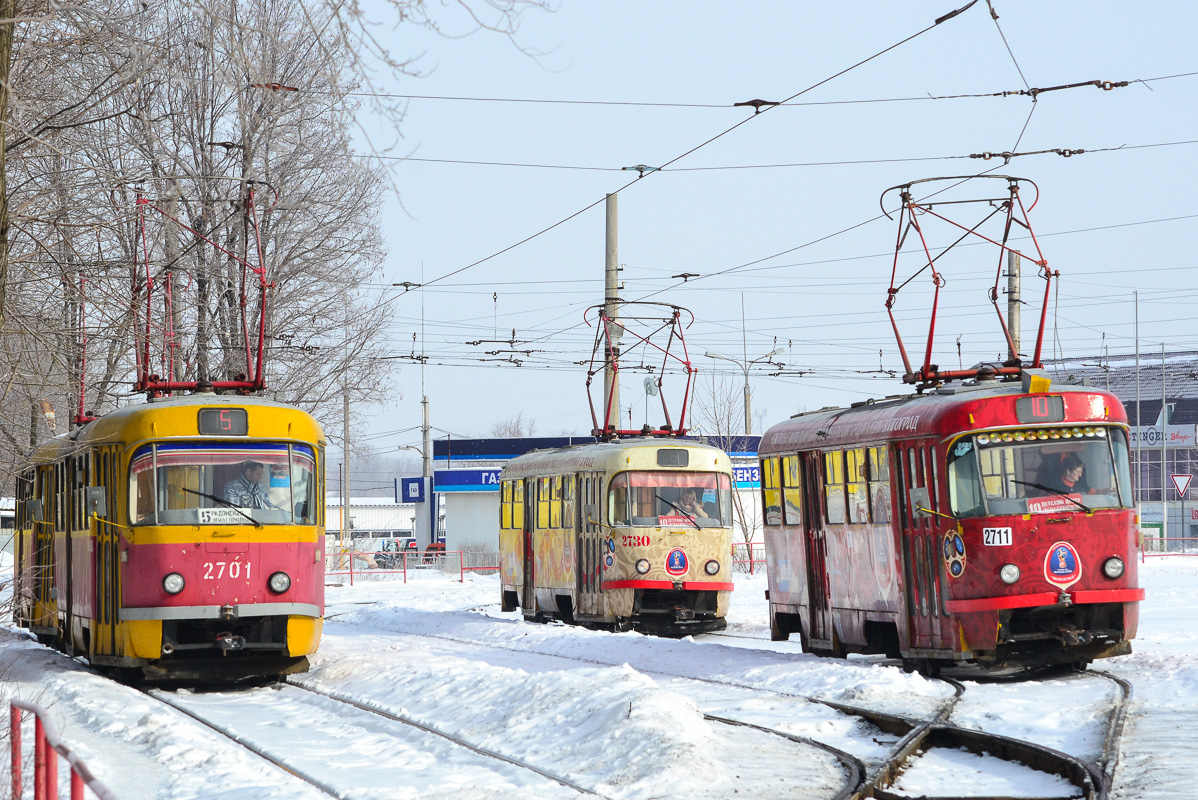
[921,576]
[771,490]
[555,502]
[934,482]
[792,489]
[901,480]
[518,504]
[835,507]
[505,505]
[879,483]
[856,485]
[543,499]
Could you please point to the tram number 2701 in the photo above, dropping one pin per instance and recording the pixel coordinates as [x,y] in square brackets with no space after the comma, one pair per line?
[996,537]
[218,569]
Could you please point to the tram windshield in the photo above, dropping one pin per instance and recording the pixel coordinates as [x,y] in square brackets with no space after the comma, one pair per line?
[1039,472]
[655,498]
[214,483]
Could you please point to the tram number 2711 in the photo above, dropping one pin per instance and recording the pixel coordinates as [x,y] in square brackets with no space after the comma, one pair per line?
[996,537]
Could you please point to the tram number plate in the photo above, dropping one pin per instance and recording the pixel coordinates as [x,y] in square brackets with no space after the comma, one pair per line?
[996,537]
[635,541]
[214,570]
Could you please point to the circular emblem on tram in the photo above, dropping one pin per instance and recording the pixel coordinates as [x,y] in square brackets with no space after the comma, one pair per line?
[611,545]
[954,554]
[1062,565]
[676,562]
[609,561]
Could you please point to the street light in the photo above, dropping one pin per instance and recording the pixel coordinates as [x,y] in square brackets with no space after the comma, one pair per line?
[745,365]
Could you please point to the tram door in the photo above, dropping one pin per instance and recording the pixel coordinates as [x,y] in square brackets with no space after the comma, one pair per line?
[43,616]
[108,575]
[816,549]
[590,546]
[919,534]
[528,597]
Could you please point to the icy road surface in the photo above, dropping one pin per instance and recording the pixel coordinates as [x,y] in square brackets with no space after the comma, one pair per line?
[621,714]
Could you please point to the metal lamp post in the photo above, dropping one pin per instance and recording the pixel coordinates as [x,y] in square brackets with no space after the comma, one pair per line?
[745,365]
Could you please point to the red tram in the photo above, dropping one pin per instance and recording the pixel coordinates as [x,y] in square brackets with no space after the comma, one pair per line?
[955,526]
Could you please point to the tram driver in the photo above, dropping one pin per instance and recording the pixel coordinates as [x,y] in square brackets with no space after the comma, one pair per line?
[1064,473]
[688,502]
[245,491]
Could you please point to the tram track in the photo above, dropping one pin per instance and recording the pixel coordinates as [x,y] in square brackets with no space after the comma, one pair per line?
[332,788]
[1091,779]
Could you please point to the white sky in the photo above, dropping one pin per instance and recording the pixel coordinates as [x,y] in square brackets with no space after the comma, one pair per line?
[823,302]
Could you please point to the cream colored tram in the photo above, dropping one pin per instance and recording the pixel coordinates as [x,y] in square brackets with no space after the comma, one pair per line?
[600,535]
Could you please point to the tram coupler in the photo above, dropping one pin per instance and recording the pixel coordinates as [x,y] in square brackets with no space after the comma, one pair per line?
[228,641]
[1072,637]
[683,614]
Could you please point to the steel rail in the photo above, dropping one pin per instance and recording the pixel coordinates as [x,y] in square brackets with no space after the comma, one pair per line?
[852,765]
[391,715]
[258,751]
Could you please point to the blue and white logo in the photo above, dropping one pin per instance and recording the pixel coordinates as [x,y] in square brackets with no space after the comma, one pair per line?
[676,562]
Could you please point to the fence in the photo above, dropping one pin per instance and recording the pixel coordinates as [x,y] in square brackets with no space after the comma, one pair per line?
[1168,546]
[748,558]
[363,566]
[46,749]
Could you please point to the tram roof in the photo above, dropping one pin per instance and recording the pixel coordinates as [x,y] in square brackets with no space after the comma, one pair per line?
[611,455]
[114,426]
[943,412]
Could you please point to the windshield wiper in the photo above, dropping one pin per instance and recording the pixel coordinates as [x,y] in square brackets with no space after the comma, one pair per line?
[679,510]
[223,502]
[1057,492]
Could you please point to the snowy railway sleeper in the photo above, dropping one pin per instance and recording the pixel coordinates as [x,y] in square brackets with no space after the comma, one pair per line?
[633,533]
[131,554]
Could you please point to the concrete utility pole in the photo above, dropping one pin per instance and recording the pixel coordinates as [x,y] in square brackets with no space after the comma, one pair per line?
[345,537]
[611,307]
[1013,267]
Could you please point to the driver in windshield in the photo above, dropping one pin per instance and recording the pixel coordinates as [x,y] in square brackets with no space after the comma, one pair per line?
[245,491]
[688,502]
[1065,474]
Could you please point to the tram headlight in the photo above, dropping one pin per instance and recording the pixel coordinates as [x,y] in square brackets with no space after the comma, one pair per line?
[711,567]
[279,582]
[1100,433]
[642,565]
[1113,567]
[173,583]
[1009,573]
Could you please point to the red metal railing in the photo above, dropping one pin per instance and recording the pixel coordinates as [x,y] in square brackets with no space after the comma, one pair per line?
[748,558]
[409,559]
[47,747]
[1168,546]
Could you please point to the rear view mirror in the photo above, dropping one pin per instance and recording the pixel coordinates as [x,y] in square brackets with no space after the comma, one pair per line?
[97,501]
[921,503]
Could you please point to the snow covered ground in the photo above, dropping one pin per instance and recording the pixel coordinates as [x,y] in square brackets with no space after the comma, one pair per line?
[620,714]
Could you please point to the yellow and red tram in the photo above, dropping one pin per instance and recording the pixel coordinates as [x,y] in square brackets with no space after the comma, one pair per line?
[631,533]
[955,526]
[133,552]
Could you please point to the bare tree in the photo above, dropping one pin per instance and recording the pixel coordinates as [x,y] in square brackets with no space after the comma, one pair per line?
[717,412]
[514,427]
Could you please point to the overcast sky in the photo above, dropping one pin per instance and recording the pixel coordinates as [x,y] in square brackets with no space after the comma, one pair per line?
[768,227]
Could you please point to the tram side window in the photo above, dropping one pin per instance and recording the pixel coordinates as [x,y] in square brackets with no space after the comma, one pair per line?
[856,487]
[771,493]
[568,501]
[518,504]
[792,492]
[555,502]
[879,484]
[505,505]
[542,503]
[834,487]
[964,485]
